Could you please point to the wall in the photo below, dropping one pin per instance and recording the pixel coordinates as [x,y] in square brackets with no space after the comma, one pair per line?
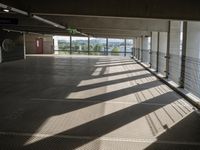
[12,46]
[31,43]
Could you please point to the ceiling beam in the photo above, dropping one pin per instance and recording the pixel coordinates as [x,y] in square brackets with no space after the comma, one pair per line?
[110,23]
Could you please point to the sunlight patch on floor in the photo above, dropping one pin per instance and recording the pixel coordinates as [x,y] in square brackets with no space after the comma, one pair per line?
[84,94]
[105,79]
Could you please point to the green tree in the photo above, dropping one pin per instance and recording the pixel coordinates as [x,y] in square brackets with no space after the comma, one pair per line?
[115,51]
[96,49]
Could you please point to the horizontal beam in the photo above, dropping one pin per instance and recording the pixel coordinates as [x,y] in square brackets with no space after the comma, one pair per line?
[110,23]
[105,32]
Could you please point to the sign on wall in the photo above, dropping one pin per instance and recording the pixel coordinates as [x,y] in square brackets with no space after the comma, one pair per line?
[12,46]
[8,21]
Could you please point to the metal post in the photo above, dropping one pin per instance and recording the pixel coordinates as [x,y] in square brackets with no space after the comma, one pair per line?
[183,56]
[158,47]
[88,45]
[70,44]
[168,51]
[107,46]
[125,47]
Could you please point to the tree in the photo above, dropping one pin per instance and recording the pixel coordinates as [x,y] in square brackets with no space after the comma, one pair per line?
[97,48]
[115,51]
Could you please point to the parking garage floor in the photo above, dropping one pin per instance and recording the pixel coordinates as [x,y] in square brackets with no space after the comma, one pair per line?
[91,103]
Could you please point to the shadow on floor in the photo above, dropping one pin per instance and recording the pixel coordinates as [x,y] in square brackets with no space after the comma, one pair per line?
[34,113]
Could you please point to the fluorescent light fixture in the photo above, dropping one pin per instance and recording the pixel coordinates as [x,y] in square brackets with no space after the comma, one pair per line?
[6,10]
[19,11]
[49,22]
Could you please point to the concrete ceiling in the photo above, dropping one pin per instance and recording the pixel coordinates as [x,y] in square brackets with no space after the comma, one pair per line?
[162,9]
[93,26]
[112,23]
[92,18]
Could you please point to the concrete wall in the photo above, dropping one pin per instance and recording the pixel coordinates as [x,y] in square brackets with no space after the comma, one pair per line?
[162,52]
[31,44]
[192,70]
[12,46]
[175,51]
[154,49]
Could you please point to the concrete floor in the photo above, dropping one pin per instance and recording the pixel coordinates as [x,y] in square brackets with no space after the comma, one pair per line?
[91,103]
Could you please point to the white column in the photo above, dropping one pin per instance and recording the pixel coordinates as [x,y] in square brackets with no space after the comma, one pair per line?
[55,44]
[162,52]
[154,50]
[175,50]
[192,63]
[145,50]
[24,39]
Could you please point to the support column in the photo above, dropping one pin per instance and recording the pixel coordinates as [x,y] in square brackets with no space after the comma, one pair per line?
[150,53]
[154,50]
[107,46]
[168,51]
[70,44]
[141,49]
[183,56]
[125,47]
[88,45]
[157,56]
[133,50]
[138,49]
[24,38]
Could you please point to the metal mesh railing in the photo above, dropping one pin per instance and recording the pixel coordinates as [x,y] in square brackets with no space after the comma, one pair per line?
[192,75]
[136,52]
[175,68]
[162,63]
[145,56]
[153,59]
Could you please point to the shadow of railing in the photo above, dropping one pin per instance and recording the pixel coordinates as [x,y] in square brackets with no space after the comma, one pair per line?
[96,128]
[184,135]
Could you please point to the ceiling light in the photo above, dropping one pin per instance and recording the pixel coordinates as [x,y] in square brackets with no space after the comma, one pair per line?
[6,10]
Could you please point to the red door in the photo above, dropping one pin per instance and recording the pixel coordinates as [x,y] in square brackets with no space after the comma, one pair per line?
[39,46]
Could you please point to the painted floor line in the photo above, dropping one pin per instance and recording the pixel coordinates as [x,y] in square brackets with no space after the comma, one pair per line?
[134,140]
[111,102]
